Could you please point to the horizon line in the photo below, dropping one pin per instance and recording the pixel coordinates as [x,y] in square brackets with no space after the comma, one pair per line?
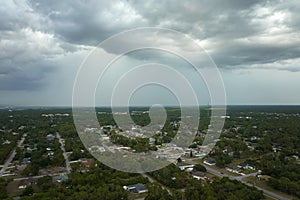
[142,106]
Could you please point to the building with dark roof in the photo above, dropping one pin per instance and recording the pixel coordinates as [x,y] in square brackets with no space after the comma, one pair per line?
[209,161]
[136,188]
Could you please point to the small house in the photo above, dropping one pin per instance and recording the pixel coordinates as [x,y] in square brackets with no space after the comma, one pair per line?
[198,175]
[184,166]
[50,137]
[138,188]
[210,161]
[60,178]
[246,166]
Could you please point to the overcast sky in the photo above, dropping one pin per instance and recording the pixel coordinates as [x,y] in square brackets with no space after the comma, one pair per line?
[254,43]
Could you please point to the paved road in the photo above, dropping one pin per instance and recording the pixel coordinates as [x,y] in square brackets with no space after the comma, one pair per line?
[36,177]
[62,147]
[151,180]
[267,192]
[25,178]
[11,156]
[239,178]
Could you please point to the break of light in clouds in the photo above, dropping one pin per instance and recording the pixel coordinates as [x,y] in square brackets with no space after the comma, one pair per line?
[255,43]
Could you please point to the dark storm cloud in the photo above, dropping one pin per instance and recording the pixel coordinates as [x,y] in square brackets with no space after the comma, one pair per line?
[20,74]
[221,24]
[88,22]
[236,32]
[217,20]
[254,53]
[29,52]
[27,59]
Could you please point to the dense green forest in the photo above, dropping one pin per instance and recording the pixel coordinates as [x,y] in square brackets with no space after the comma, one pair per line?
[266,137]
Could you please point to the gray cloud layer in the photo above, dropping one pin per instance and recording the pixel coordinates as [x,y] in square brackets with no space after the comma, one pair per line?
[235,32]
[36,35]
